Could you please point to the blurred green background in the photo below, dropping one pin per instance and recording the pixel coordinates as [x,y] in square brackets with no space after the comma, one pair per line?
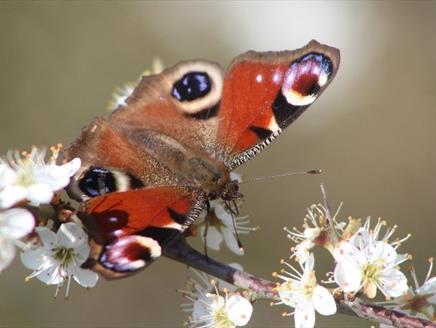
[372,132]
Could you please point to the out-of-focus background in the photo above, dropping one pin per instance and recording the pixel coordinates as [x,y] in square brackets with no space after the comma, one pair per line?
[372,132]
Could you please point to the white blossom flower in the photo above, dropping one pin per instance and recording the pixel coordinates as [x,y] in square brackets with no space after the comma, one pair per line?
[302,292]
[225,312]
[60,256]
[316,232]
[210,309]
[366,262]
[29,176]
[220,226]
[207,306]
[15,224]
[421,300]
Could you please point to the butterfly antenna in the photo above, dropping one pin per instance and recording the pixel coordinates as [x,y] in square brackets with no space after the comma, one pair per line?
[310,172]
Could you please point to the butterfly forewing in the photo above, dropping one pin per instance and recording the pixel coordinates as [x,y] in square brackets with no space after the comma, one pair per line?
[265,92]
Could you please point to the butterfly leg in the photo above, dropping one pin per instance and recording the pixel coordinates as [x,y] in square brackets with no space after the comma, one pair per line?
[234,211]
[206,228]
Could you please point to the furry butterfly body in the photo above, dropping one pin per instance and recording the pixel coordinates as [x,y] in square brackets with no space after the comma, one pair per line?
[150,168]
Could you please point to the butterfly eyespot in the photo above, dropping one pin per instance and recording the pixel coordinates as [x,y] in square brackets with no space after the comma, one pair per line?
[97,181]
[130,253]
[191,86]
[305,78]
[196,88]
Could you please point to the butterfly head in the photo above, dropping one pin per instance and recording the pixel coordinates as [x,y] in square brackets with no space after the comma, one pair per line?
[230,191]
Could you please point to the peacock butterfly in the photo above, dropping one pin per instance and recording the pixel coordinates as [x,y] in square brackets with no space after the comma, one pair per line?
[150,168]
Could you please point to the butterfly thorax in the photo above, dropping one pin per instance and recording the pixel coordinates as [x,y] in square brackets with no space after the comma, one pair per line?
[190,167]
[179,162]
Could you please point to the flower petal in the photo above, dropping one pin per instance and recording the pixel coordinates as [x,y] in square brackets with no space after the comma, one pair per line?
[51,275]
[7,253]
[52,176]
[34,258]
[71,167]
[302,250]
[292,293]
[381,250]
[239,310]
[16,223]
[323,301]
[231,241]
[311,233]
[85,277]
[11,195]
[82,253]
[223,215]
[347,277]
[393,283]
[47,237]
[361,238]
[71,235]
[39,193]
[7,175]
[213,238]
[304,316]
[429,287]
[199,308]
[217,301]
[346,251]
[309,264]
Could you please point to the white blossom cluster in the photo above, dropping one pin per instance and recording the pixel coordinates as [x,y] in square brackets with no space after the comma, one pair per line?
[366,261]
[214,304]
[419,300]
[28,181]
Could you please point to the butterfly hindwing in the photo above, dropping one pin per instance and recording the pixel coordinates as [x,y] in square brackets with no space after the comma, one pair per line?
[130,229]
[108,152]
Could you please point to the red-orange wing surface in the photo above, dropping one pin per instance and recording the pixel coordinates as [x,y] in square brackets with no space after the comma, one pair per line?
[130,229]
[265,92]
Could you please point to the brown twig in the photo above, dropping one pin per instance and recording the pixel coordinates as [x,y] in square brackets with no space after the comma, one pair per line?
[263,289]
